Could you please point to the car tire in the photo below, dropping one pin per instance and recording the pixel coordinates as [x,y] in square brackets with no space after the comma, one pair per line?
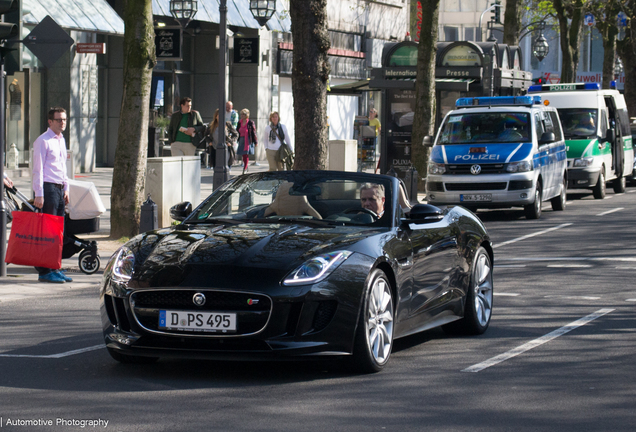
[559,202]
[374,335]
[479,298]
[129,359]
[533,211]
[599,189]
[619,184]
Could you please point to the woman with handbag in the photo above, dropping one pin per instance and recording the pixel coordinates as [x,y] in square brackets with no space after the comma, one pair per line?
[247,137]
[210,136]
[275,136]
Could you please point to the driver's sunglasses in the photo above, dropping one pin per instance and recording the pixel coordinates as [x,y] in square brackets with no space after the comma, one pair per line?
[60,120]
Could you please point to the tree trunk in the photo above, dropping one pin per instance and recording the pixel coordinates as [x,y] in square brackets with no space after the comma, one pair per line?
[512,23]
[627,51]
[310,74]
[424,120]
[129,173]
[609,49]
[570,17]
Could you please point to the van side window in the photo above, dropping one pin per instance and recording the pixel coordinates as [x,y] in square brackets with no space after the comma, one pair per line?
[556,125]
[604,125]
[538,125]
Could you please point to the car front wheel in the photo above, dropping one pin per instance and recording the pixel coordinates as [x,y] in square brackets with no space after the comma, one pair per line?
[533,211]
[619,185]
[599,190]
[374,337]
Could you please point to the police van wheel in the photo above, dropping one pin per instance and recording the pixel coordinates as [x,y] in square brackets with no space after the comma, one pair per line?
[599,190]
[619,185]
[533,211]
[558,202]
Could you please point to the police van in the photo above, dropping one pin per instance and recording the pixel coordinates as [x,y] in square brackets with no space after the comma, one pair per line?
[597,134]
[497,152]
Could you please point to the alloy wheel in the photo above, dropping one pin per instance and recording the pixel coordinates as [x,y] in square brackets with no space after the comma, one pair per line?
[380,320]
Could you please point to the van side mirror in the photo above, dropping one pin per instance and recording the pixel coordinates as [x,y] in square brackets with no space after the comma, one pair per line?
[547,137]
[425,213]
[427,141]
[180,211]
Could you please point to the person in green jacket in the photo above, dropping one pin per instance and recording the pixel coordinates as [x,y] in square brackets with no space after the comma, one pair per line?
[184,125]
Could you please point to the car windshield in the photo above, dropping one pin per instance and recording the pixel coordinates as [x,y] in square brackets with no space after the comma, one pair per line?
[319,198]
[578,122]
[497,127]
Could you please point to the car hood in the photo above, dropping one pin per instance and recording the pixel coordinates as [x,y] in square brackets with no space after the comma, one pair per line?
[266,247]
[488,153]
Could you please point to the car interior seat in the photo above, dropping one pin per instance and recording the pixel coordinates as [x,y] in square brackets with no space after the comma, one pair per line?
[285,204]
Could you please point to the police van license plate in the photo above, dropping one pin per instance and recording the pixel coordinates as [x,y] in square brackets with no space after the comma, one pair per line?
[475,197]
[197,321]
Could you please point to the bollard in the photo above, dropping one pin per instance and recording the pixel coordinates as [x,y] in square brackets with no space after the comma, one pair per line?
[411,180]
[148,221]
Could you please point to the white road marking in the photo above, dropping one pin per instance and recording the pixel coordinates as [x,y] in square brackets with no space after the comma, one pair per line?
[531,235]
[625,268]
[56,356]
[573,297]
[631,191]
[569,265]
[534,259]
[510,266]
[611,211]
[631,300]
[608,197]
[537,342]
[505,294]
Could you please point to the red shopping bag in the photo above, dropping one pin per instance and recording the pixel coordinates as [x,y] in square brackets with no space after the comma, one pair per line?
[36,240]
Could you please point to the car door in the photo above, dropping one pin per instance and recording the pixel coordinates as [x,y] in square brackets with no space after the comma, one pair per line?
[542,158]
[435,255]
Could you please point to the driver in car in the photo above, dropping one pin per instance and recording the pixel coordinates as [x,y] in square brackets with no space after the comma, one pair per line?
[372,198]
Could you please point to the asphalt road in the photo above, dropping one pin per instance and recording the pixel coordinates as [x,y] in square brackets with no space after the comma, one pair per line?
[557,356]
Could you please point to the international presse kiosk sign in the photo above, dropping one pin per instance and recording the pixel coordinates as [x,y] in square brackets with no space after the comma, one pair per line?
[246,50]
[168,43]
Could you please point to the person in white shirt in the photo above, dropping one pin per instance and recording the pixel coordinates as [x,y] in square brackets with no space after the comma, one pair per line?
[274,133]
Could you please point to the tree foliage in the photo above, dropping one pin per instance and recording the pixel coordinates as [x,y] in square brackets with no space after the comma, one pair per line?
[310,75]
[132,137]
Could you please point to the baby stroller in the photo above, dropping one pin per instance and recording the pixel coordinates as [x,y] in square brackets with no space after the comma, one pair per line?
[82,217]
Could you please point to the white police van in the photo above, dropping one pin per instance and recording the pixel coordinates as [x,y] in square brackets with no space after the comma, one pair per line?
[597,134]
[498,152]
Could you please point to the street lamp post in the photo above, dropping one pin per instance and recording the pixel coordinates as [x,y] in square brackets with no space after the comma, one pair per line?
[262,11]
[540,47]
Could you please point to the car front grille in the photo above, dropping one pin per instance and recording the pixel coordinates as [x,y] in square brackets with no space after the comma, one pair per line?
[475,186]
[252,310]
[485,168]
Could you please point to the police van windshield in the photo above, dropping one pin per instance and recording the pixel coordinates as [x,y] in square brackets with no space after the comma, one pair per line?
[465,128]
[578,122]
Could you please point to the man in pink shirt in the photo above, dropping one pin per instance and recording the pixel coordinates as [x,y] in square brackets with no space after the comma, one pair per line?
[49,178]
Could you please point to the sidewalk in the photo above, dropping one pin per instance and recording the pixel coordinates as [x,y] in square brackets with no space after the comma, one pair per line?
[22,282]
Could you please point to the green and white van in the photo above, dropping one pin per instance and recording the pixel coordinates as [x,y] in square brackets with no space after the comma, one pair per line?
[597,134]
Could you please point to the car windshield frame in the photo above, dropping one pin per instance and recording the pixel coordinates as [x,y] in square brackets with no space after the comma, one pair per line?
[491,127]
[323,197]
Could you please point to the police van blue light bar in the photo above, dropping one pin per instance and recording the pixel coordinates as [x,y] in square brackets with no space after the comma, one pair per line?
[563,87]
[613,85]
[498,100]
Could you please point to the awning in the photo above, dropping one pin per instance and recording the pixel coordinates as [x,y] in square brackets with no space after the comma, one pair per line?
[448,84]
[94,15]
[238,13]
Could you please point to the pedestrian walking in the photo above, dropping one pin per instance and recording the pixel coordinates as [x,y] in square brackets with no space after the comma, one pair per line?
[184,125]
[210,135]
[247,137]
[232,116]
[50,183]
[275,135]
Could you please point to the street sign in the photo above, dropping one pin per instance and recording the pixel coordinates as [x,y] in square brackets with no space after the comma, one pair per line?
[588,20]
[90,48]
[168,43]
[246,50]
[48,41]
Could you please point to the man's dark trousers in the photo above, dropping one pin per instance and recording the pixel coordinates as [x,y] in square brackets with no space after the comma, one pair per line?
[54,205]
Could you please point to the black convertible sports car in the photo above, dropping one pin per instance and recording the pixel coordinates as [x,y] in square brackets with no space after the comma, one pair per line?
[290,265]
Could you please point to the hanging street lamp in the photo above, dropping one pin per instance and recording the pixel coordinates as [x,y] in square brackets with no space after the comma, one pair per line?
[183,10]
[540,47]
[262,10]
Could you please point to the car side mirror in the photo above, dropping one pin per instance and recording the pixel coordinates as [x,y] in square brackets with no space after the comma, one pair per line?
[180,211]
[610,136]
[547,137]
[425,213]
[427,141]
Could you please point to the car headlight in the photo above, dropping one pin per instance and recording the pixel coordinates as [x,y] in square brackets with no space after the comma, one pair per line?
[583,162]
[317,268]
[121,265]
[436,168]
[522,166]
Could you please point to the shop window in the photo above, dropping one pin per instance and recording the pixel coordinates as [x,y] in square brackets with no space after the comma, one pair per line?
[451,34]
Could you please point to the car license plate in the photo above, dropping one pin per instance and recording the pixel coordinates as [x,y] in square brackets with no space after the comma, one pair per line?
[217,322]
[475,197]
